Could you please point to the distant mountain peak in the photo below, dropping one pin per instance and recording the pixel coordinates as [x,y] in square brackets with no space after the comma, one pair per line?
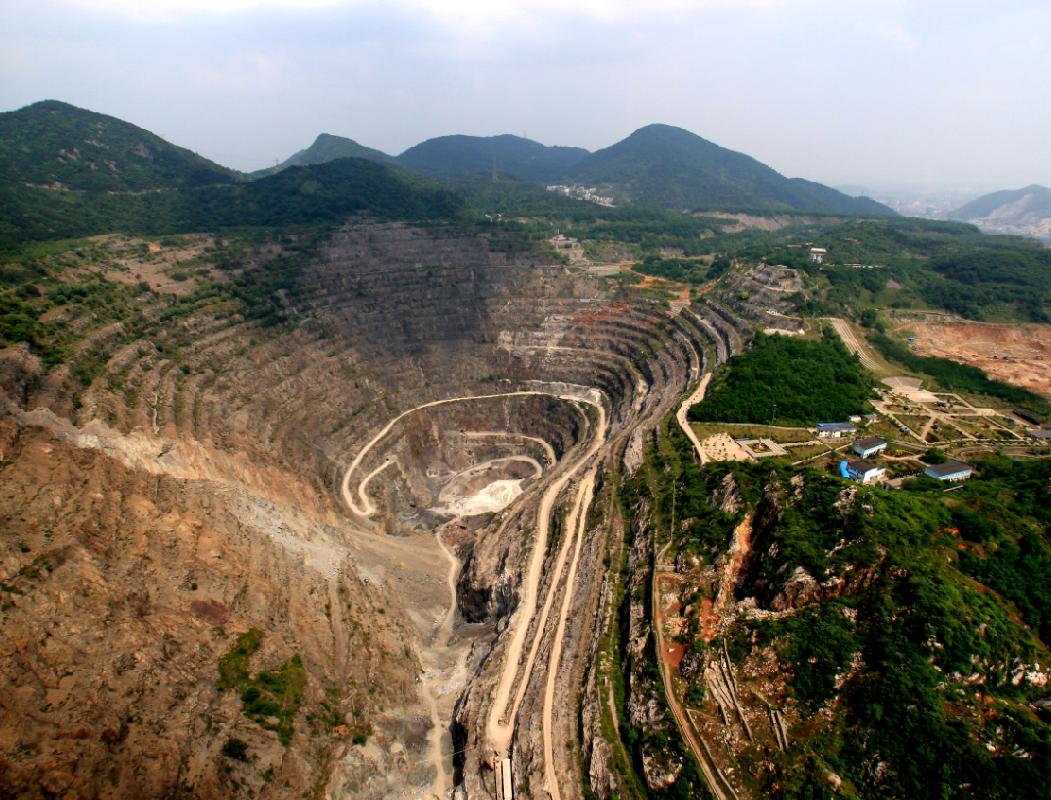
[665,165]
[1025,211]
[327,147]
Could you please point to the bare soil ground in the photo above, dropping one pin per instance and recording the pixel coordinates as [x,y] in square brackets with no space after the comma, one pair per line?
[1017,354]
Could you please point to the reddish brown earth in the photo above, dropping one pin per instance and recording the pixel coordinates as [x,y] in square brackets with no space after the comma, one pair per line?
[1016,354]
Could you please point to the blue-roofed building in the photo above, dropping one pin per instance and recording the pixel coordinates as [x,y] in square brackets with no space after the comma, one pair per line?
[835,430]
[949,471]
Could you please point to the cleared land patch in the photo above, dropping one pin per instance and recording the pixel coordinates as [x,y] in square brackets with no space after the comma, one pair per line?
[1016,354]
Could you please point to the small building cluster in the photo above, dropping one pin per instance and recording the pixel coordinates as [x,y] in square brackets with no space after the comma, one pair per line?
[578,192]
[817,254]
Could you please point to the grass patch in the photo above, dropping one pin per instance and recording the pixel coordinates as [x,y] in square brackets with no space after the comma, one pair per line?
[272,698]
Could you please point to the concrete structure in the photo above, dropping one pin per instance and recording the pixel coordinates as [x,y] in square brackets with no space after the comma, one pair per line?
[817,254]
[870,446]
[949,471]
[863,471]
[1040,433]
[835,430]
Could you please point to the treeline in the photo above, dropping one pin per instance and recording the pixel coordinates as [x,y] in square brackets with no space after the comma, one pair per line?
[956,377]
[787,381]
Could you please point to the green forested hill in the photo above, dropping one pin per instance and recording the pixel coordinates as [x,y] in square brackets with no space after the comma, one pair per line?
[295,196]
[668,166]
[58,145]
[788,381]
[458,156]
[327,148]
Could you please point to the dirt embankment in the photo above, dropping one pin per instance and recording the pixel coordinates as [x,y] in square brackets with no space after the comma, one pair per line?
[1016,354]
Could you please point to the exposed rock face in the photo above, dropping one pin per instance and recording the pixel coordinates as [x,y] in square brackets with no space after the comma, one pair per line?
[727,497]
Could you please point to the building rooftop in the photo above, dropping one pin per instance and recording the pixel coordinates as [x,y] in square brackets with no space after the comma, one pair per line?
[836,426]
[1039,433]
[870,442]
[862,466]
[948,468]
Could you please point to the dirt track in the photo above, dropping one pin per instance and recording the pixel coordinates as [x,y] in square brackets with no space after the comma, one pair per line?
[501,722]
[684,409]
[854,344]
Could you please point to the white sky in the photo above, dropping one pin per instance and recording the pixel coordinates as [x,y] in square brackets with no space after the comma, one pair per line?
[922,94]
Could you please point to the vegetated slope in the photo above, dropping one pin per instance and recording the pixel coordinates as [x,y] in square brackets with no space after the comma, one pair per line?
[327,148]
[668,166]
[298,195]
[58,145]
[913,263]
[456,156]
[1010,205]
[898,639]
[66,172]
[788,381]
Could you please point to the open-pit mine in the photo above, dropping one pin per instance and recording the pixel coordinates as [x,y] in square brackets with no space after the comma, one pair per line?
[393,522]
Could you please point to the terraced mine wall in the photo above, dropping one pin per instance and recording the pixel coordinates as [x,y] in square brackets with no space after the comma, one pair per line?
[194,492]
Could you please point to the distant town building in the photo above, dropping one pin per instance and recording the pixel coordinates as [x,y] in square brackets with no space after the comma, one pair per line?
[589,193]
[863,471]
[817,254]
[835,430]
[869,446]
[949,471]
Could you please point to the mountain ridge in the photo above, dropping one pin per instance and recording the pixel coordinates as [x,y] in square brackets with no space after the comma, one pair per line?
[664,165]
[1025,211]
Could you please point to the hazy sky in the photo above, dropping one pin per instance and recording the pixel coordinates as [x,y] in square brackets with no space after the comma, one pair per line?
[932,94]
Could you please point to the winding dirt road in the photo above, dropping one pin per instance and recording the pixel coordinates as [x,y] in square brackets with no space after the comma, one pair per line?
[501,722]
[708,769]
[577,523]
[500,726]
[684,409]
